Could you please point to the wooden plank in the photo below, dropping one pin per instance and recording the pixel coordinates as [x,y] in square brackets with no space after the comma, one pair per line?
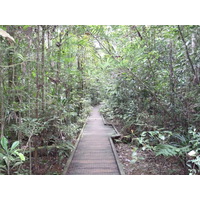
[73,152]
[94,153]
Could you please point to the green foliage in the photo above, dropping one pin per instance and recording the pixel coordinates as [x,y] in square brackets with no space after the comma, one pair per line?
[150,139]
[52,75]
[194,166]
[153,86]
[29,126]
[194,138]
[10,158]
[166,150]
[64,150]
[4,143]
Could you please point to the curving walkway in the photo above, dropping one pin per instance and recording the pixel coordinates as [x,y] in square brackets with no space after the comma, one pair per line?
[94,155]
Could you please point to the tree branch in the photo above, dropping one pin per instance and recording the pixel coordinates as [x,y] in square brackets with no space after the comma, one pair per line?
[134,27]
[187,52]
[102,45]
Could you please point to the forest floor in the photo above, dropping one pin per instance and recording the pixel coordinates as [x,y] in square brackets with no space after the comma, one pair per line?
[50,166]
[46,165]
[147,163]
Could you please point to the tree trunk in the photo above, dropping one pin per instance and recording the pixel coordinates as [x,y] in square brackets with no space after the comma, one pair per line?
[43,68]
[59,44]
[171,80]
[37,72]
[80,69]
[186,50]
[2,102]
[11,70]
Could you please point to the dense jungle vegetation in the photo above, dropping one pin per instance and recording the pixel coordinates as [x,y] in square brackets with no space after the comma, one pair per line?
[147,79]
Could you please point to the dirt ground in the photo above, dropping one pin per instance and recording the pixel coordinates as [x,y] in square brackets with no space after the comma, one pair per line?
[147,163]
[47,165]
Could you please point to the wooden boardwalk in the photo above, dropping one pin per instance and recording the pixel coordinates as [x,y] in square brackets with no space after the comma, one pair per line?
[94,154]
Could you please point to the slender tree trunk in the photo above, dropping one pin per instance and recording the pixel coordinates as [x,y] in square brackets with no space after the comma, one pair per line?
[11,70]
[59,44]
[193,40]
[43,68]
[59,56]
[10,74]
[196,79]
[37,72]
[80,69]
[37,95]
[171,75]
[30,157]
[187,52]
[48,38]
[2,102]
[171,80]
[19,118]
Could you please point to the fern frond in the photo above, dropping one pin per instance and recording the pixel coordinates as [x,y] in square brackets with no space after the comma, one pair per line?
[166,150]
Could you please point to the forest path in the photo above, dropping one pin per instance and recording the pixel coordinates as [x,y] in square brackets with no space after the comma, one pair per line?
[94,154]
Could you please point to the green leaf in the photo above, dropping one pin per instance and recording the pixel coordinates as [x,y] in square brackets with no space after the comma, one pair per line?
[3,167]
[4,143]
[16,164]
[33,74]
[26,26]
[21,156]
[162,137]
[3,27]
[7,160]
[1,156]
[14,145]
[18,55]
